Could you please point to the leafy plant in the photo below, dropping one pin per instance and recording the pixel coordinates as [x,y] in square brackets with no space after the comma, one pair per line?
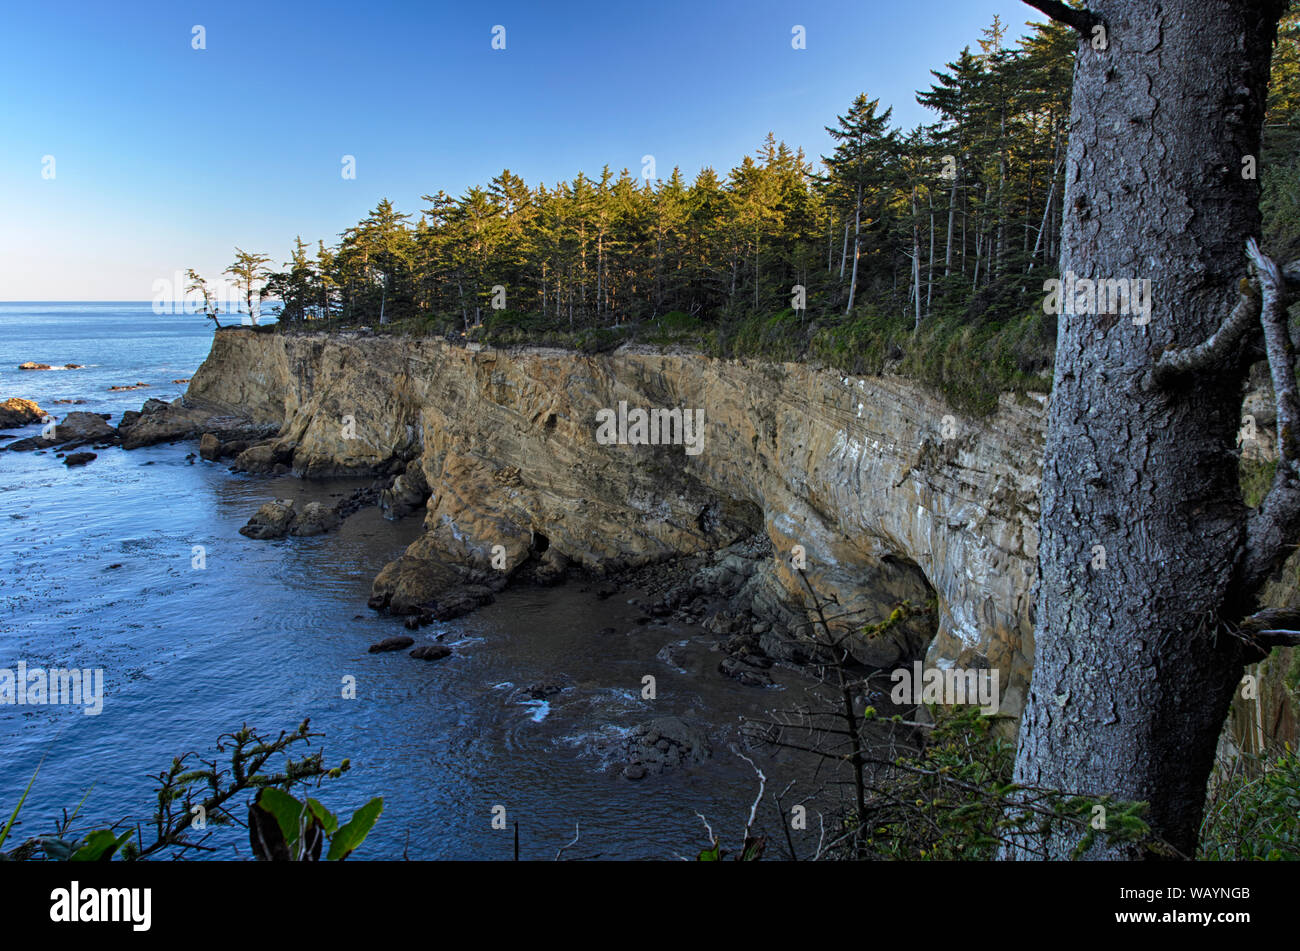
[1254,813]
[195,791]
[283,828]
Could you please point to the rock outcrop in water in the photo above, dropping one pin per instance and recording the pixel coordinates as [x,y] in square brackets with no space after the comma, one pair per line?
[73,431]
[888,493]
[19,412]
[159,421]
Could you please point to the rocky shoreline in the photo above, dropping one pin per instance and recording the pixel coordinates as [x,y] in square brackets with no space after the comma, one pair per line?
[492,448]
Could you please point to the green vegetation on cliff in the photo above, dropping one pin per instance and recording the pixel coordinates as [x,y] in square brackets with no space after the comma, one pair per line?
[922,252]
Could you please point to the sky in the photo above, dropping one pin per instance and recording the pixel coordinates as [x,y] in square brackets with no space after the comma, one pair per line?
[128,155]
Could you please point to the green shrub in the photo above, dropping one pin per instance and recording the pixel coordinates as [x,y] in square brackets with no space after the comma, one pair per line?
[1251,817]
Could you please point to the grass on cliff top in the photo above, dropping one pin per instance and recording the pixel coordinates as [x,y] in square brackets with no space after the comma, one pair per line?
[969,362]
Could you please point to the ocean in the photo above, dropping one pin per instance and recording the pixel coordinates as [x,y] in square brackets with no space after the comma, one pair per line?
[97,571]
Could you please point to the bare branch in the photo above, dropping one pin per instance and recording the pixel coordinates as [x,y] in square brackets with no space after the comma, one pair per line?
[1271,529]
[1081,19]
[762,785]
[713,839]
[1281,354]
[577,834]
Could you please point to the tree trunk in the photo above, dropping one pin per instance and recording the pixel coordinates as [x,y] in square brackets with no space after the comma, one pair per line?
[1133,670]
[916,261]
[929,273]
[952,218]
[857,249]
[1046,227]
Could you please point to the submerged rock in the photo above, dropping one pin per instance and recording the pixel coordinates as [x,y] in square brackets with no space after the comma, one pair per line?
[664,743]
[391,644]
[431,652]
[542,691]
[79,458]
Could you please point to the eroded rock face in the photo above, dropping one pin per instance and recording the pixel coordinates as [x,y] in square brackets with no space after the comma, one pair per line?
[890,495]
[408,493]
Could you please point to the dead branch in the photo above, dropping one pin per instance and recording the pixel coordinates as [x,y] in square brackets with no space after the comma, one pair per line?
[1079,18]
[577,834]
[1270,530]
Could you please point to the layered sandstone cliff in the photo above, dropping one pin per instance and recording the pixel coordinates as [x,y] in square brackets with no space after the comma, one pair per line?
[892,495]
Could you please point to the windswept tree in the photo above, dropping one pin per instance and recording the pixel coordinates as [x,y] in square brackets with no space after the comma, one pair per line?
[250,273]
[197,285]
[1150,564]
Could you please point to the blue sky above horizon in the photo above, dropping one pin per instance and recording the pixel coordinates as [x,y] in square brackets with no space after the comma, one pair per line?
[167,157]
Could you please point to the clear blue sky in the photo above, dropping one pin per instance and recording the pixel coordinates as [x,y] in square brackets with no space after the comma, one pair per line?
[166,157]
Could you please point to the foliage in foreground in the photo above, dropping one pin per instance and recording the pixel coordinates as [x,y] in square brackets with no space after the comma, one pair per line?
[194,792]
[1254,812]
[953,798]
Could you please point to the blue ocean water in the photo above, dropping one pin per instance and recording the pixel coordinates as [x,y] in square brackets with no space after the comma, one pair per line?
[97,571]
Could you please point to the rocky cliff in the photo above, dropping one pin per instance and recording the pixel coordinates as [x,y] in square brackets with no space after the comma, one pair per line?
[891,495]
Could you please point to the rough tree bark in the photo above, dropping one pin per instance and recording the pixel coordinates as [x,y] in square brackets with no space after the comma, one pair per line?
[1139,643]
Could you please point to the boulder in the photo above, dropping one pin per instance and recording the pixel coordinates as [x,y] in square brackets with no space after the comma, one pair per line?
[34,366]
[412,585]
[210,447]
[84,427]
[79,458]
[263,458]
[76,429]
[314,519]
[272,520]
